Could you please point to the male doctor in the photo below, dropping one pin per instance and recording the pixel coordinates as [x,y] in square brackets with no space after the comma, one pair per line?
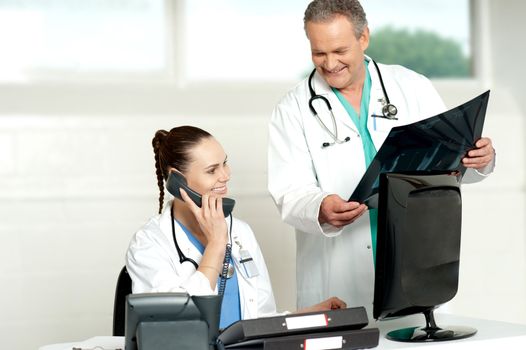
[314,165]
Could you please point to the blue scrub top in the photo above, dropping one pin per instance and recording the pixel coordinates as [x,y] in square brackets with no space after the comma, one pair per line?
[367,142]
[231,305]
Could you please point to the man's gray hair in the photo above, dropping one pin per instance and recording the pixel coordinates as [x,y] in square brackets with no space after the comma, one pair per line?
[325,10]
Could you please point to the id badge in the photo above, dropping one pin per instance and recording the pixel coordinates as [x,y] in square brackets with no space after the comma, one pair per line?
[248,264]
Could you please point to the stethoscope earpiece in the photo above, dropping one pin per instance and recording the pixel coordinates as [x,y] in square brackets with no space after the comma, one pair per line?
[327,144]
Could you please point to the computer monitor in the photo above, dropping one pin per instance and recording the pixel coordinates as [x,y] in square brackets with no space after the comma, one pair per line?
[418,251]
[171,321]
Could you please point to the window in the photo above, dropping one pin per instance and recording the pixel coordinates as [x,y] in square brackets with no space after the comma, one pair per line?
[265,40]
[246,40]
[214,40]
[429,36]
[75,37]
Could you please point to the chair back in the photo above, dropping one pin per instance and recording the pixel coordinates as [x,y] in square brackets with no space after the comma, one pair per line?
[124,287]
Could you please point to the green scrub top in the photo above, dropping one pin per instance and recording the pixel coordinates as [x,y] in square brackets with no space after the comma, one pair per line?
[367,142]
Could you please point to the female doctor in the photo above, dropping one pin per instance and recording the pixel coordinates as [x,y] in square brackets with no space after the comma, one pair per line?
[322,136]
[183,248]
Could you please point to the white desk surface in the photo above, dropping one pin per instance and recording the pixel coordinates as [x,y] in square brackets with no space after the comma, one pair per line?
[95,343]
[490,335]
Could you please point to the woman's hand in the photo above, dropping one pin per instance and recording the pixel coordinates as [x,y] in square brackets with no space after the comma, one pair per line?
[329,304]
[212,222]
[210,217]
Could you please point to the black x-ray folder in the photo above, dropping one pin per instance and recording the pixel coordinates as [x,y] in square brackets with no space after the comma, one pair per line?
[294,324]
[350,339]
[434,145]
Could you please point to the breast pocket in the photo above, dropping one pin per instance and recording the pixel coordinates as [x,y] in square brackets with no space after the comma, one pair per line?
[383,125]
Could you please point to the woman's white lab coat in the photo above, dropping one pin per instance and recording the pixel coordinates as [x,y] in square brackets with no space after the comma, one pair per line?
[331,261]
[153,264]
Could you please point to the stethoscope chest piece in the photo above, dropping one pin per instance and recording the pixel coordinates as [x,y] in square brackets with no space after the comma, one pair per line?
[230,270]
[389,111]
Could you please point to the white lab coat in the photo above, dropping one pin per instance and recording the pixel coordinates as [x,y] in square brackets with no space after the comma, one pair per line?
[331,261]
[153,264]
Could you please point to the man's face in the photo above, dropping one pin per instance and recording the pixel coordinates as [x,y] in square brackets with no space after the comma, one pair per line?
[336,52]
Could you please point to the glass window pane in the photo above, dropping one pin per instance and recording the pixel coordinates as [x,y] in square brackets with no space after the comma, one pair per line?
[265,40]
[81,36]
[431,37]
[246,40]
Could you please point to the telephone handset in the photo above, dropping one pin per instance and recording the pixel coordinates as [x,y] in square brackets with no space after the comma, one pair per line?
[176,180]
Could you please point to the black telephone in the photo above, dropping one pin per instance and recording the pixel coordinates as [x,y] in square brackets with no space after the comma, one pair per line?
[176,180]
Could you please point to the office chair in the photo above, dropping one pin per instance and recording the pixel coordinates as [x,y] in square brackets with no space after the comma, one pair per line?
[124,287]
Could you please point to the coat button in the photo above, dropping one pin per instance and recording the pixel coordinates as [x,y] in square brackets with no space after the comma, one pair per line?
[368,246]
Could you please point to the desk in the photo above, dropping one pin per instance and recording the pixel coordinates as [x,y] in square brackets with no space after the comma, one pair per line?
[490,335]
[95,343]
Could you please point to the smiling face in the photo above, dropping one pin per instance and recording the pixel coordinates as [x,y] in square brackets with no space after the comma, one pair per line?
[208,170]
[336,51]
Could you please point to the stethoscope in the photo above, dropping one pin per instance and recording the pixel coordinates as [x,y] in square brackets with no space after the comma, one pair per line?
[183,258]
[389,110]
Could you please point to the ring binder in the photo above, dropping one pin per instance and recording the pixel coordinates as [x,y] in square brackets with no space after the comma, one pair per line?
[278,331]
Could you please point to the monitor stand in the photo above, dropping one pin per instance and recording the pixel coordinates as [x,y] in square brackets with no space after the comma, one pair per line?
[431,332]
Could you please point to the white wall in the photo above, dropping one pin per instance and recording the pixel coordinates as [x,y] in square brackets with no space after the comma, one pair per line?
[77,182]
[493,265]
[77,179]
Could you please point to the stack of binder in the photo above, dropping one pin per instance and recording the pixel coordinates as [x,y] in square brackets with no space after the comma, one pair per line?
[333,329]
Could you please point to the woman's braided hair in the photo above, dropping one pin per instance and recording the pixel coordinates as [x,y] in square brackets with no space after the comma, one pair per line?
[172,150]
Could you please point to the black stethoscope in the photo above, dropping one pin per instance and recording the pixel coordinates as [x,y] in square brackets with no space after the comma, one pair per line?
[183,258]
[389,110]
